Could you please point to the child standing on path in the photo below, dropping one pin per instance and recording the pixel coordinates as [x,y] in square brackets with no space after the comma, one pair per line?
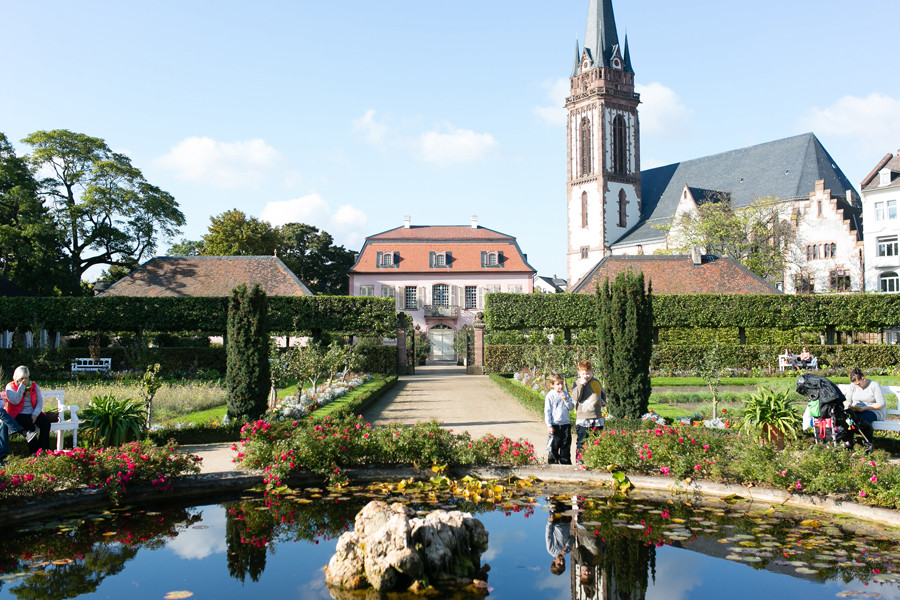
[557,405]
[589,402]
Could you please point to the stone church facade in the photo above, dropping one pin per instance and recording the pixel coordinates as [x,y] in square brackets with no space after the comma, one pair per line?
[614,208]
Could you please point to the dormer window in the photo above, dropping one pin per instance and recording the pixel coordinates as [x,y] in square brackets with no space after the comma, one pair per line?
[492,259]
[439,260]
[387,260]
[885,176]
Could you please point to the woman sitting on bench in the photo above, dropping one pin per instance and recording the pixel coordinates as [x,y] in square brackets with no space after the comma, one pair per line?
[25,403]
[866,404]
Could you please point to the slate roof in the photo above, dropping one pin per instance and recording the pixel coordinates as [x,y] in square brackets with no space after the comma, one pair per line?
[9,289]
[464,243]
[677,274]
[207,276]
[555,282]
[601,39]
[785,169]
[873,179]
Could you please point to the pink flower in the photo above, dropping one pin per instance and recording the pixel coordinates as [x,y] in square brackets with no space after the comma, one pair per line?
[862,494]
[798,485]
[664,470]
[874,479]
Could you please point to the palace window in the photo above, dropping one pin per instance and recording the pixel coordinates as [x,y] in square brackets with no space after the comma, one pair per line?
[471,298]
[887,246]
[410,301]
[491,258]
[387,260]
[387,291]
[619,146]
[367,290]
[585,166]
[439,260]
[839,280]
[889,282]
[440,294]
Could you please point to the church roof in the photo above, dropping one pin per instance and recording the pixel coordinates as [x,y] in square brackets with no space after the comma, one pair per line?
[678,274]
[784,169]
[207,276]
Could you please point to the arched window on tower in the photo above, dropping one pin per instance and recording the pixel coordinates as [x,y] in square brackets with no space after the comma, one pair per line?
[584,210]
[623,215]
[585,147]
[619,146]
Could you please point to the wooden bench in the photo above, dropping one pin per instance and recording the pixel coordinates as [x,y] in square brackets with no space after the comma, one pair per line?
[91,365]
[889,424]
[64,424]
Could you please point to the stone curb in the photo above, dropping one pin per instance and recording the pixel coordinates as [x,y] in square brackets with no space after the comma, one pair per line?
[210,485]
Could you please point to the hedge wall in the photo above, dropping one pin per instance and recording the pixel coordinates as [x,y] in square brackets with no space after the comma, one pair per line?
[856,312]
[340,314]
[46,361]
[684,357]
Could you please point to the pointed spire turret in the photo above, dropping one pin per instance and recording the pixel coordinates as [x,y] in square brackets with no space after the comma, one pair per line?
[601,37]
[627,58]
[575,65]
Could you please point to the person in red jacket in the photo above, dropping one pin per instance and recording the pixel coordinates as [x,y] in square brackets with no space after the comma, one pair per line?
[25,403]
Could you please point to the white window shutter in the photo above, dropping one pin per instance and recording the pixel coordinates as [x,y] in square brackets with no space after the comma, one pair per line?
[421,297]
[454,295]
[480,303]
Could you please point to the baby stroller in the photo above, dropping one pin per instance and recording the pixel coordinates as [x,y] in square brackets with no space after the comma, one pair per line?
[826,407]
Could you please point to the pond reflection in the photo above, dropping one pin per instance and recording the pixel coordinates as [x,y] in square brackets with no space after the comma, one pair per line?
[610,548]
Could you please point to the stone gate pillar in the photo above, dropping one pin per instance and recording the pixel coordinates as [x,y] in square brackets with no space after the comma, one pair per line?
[478,367]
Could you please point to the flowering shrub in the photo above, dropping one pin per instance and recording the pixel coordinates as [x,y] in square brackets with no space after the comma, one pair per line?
[330,445]
[113,470]
[532,380]
[295,407]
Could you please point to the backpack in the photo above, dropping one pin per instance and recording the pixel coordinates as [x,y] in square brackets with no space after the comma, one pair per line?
[813,407]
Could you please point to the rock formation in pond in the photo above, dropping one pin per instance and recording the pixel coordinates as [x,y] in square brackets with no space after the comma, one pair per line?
[390,549]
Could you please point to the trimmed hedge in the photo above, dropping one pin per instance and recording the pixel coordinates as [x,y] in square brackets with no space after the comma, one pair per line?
[287,314]
[356,400]
[855,312]
[46,361]
[530,399]
[379,359]
[684,357]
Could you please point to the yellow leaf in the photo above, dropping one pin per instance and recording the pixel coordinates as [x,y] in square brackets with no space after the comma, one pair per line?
[178,595]
[811,523]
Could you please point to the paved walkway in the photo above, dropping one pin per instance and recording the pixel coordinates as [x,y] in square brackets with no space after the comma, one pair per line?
[442,392]
[460,402]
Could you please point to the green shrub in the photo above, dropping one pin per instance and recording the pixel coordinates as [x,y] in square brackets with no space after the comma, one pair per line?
[109,421]
[248,376]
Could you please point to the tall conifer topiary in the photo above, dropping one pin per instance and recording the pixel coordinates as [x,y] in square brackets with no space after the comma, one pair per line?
[248,377]
[625,343]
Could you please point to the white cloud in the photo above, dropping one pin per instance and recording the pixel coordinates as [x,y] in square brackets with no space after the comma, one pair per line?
[681,570]
[555,112]
[662,112]
[203,539]
[221,164]
[873,122]
[373,131]
[347,224]
[454,145]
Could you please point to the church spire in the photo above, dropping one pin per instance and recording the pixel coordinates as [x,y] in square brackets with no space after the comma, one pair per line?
[627,58]
[575,67]
[600,38]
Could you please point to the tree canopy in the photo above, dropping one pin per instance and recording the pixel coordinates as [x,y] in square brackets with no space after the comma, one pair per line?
[758,236]
[105,211]
[30,252]
[306,250]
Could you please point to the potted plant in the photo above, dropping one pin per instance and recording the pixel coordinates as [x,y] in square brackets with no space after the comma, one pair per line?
[771,417]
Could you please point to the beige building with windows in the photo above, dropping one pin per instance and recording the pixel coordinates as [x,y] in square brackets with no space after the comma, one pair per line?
[880,197]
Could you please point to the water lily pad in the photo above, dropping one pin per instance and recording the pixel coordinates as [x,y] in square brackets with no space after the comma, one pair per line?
[805,571]
[750,558]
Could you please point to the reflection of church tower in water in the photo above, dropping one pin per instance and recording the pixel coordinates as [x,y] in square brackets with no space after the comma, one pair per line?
[603,144]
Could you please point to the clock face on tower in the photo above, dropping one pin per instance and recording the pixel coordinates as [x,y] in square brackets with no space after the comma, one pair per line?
[616,63]
[584,66]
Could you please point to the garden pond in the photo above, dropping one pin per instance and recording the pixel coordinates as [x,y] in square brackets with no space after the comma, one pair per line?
[618,547]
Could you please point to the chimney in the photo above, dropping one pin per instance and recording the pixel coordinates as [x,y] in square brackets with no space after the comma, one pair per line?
[406,222]
[697,255]
[474,221]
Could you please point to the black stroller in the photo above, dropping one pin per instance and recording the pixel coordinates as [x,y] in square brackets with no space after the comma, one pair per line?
[831,424]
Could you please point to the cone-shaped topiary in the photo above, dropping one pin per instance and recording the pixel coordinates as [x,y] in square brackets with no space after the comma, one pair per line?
[248,376]
[625,343]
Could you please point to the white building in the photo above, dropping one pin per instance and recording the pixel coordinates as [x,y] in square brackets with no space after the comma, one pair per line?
[880,197]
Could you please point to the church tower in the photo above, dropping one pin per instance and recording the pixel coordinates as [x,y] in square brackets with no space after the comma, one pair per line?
[604,166]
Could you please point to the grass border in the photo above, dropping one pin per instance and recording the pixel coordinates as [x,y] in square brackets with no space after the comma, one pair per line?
[358,399]
[530,399]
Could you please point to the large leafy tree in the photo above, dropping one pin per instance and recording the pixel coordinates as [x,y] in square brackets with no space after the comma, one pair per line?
[29,247]
[759,236]
[313,256]
[233,233]
[306,250]
[105,210]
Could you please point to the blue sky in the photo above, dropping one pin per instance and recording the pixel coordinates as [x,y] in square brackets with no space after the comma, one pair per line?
[350,115]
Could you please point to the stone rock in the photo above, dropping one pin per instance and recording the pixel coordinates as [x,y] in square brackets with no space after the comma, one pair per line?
[390,549]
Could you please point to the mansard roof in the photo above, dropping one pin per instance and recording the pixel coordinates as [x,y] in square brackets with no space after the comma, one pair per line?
[784,169]
[677,274]
[208,276]
[414,246]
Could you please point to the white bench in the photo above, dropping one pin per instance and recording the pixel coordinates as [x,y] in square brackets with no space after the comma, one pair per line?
[888,425]
[91,365]
[783,362]
[64,424]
